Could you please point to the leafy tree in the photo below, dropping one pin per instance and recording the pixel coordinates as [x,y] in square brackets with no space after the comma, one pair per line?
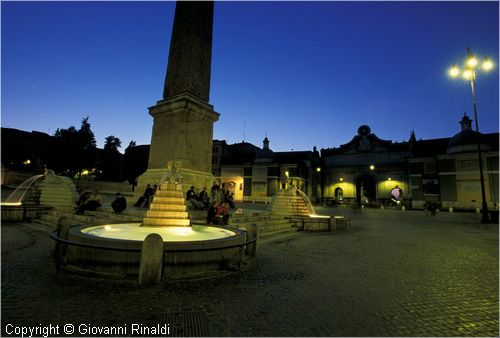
[87,145]
[135,161]
[76,149]
[111,160]
[66,156]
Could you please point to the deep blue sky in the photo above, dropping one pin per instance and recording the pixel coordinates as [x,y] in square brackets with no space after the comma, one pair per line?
[303,73]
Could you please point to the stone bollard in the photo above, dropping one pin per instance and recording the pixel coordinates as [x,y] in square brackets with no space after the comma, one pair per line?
[151,260]
[63,226]
[252,233]
[450,209]
[403,208]
[332,225]
[381,207]
[478,210]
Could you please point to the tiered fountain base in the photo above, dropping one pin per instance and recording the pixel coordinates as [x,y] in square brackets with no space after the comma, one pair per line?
[116,250]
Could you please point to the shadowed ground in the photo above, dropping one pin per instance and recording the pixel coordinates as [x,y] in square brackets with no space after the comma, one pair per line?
[392,273]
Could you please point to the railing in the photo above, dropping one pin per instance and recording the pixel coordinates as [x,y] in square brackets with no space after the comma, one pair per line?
[145,278]
[54,236]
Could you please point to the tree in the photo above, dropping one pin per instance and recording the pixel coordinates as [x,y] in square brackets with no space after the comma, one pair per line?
[75,149]
[112,161]
[66,156]
[135,161]
[87,144]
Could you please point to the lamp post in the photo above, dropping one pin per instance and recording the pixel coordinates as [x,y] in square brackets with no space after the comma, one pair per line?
[469,73]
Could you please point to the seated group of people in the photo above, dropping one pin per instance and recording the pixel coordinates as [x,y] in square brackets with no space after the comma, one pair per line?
[91,201]
[217,205]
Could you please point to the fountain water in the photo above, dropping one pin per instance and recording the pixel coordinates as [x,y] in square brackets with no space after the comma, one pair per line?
[13,209]
[16,197]
[307,202]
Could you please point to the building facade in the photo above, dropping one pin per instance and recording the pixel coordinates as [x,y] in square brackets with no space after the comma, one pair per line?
[445,171]
[255,174]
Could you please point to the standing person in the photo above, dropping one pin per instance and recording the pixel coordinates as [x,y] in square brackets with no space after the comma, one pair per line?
[203,196]
[211,213]
[216,194]
[229,199]
[119,204]
[396,195]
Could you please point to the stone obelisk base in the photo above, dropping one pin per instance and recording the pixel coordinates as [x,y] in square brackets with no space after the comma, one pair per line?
[190,178]
[182,131]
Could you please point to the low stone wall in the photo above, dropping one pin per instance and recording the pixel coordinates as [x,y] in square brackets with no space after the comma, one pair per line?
[194,258]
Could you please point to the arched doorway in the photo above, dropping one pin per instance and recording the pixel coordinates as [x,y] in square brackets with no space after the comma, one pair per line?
[339,194]
[366,192]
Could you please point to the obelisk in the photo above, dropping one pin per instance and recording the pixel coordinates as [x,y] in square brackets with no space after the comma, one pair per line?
[183,119]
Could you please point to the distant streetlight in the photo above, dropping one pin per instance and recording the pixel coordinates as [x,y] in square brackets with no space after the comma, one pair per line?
[469,73]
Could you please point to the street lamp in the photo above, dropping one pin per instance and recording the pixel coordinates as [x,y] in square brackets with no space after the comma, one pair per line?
[468,72]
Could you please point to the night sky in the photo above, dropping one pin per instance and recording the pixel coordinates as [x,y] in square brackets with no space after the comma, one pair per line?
[303,73]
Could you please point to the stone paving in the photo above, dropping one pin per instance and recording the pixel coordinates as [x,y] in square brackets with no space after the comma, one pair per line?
[393,273]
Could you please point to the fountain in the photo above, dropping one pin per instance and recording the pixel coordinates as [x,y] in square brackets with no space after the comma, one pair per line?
[38,193]
[166,245]
[17,196]
[294,204]
[188,250]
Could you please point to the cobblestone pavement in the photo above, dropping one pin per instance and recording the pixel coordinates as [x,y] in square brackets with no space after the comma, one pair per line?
[392,273]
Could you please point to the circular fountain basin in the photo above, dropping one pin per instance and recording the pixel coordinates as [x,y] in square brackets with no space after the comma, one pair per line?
[134,232]
[199,250]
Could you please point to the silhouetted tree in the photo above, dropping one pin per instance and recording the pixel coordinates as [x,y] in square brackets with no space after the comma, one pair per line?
[88,144]
[135,161]
[75,149]
[111,161]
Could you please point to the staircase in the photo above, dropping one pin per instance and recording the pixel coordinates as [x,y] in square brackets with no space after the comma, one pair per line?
[168,208]
[287,204]
[52,217]
[267,224]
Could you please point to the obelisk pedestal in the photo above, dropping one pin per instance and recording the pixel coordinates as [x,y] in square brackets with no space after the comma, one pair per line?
[182,131]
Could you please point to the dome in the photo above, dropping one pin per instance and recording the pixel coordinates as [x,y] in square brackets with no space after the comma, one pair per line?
[466,141]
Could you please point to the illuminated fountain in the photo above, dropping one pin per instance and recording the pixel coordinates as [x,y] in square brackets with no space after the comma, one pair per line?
[17,196]
[13,209]
[294,204]
[38,193]
[166,245]
[117,250]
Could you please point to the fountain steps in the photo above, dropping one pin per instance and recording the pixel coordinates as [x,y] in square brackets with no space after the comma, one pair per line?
[288,203]
[149,221]
[168,200]
[267,224]
[167,207]
[167,214]
[169,193]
